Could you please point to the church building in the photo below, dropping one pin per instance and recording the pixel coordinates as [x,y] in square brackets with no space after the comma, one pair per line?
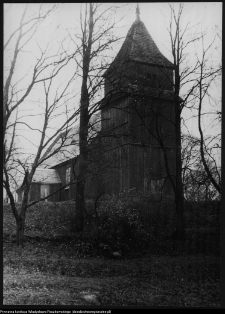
[134,150]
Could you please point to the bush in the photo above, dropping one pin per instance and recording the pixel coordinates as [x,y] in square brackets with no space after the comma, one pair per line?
[157,217]
[202,215]
[127,224]
[132,225]
[118,227]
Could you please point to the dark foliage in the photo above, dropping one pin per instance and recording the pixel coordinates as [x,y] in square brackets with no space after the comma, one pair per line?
[130,226]
[59,266]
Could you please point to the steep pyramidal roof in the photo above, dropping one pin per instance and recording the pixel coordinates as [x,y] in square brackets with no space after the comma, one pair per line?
[139,46]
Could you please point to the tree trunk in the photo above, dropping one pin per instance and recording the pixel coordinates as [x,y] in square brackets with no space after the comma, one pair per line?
[20,225]
[82,172]
[84,121]
[20,221]
[80,206]
[179,234]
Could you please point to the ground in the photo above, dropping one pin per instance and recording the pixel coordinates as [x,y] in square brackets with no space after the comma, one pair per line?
[52,271]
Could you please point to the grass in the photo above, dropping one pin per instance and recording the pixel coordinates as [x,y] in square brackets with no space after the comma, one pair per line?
[53,271]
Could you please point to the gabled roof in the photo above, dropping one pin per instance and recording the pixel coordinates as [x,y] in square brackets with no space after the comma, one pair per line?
[139,46]
[43,176]
[69,149]
[46,176]
[67,144]
[65,162]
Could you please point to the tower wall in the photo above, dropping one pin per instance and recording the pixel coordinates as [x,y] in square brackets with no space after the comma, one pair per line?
[137,160]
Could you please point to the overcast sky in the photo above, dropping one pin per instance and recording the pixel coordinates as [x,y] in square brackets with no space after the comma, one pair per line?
[155,16]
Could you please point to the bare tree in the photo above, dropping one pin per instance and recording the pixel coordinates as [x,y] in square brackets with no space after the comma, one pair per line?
[17,114]
[196,183]
[36,159]
[96,37]
[187,80]
[185,76]
[207,75]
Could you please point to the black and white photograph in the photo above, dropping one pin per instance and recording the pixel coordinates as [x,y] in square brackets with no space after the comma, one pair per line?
[112,116]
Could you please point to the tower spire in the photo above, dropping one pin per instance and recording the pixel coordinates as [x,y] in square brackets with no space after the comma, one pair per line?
[137,13]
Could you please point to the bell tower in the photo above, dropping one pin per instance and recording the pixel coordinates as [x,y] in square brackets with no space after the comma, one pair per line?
[138,114]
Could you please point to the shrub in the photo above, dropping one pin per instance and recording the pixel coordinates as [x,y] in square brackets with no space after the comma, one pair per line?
[118,226]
